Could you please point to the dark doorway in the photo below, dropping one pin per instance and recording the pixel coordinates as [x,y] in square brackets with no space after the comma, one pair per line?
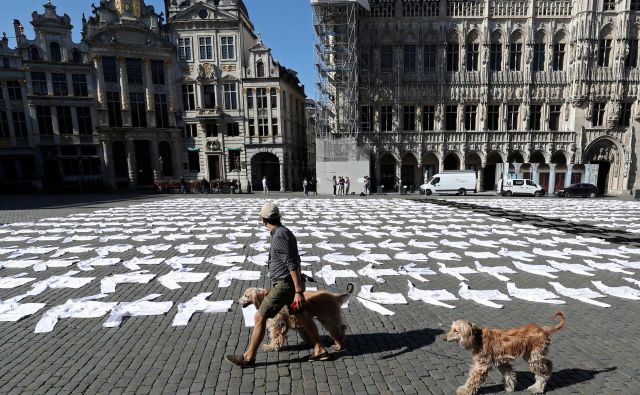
[213,162]
[451,162]
[120,160]
[143,162]
[52,178]
[166,164]
[388,173]
[265,164]
[603,176]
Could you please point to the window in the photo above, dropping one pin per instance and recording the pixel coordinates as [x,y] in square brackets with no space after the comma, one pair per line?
[34,53]
[604,52]
[531,183]
[608,5]
[274,126]
[206,48]
[189,97]
[138,110]
[274,98]
[598,114]
[515,57]
[625,114]
[6,63]
[473,51]
[554,117]
[194,161]
[453,56]
[518,183]
[233,129]
[409,58]
[85,126]
[134,71]
[228,48]
[157,72]
[260,69]
[76,56]
[39,83]
[364,59]
[470,116]
[512,116]
[109,69]
[211,130]
[493,117]
[635,5]
[386,58]
[428,118]
[250,98]
[451,118]
[558,57]
[19,124]
[495,57]
[535,119]
[56,54]
[4,125]
[15,90]
[263,127]
[252,127]
[430,57]
[59,82]
[114,109]
[161,110]
[261,98]
[45,121]
[230,97]
[191,130]
[631,60]
[234,160]
[386,118]
[80,88]
[409,118]
[184,49]
[209,93]
[366,119]
[538,56]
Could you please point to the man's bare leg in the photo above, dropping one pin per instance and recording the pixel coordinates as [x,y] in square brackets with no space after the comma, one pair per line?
[256,337]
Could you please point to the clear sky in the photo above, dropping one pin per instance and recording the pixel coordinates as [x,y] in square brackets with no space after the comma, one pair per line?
[285,25]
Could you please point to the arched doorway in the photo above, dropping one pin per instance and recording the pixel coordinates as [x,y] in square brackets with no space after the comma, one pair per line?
[605,154]
[166,163]
[265,164]
[490,178]
[388,172]
[120,164]
[560,161]
[430,166]
[451,162]
[408,171]
[473,162]
[542,175]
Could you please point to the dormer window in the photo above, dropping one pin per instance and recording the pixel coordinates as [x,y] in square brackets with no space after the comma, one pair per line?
[55,53]
[203,14]
[34,53]
[260,69]
[76,56]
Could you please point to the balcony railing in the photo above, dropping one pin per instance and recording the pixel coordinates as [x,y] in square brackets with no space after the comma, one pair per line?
[14,142]
[594,133]
[509,8]
[553,8]
[468,137]
[66,139]
[465,8]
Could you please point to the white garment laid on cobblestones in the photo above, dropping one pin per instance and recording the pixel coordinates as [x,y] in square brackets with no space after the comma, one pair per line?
[15,280]
[434,297]
[381,297]
[108,284]
[172,279]
[536,295]
[12,311]
[249,315]
[140,307]
[329,275]
[415,272]
[202,305]
[632,280]
[376,274]
[573,268]
[540,270]
[619,292]
[495,271]
[88,265]
[66,280]
[117,248]
[610,266]
[582,294]
[483,297]
[444,256]
[236,273]
[134,263]
[456,272]
[86,307]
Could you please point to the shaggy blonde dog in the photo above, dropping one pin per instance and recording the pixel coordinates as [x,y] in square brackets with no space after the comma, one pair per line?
[323,305]
[498,347]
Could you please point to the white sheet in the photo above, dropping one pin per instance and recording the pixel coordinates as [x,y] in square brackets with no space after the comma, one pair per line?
[537,295]
[138,308]
[434,297]
[201,305]
[483,297]
[236,273]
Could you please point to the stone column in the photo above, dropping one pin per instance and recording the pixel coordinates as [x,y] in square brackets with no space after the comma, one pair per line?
[124,83]
[479,185]
[535,174]
[148,92]
[505,170]
[282,175]
[378,175]
[176,157]
[100,88]
[552,178]
[155,160]
[399,175]
[109,169]
[170,80]
[131,163]
[567,175]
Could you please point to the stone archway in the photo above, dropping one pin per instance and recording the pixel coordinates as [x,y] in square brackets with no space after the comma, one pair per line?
[606,155]
[452,161]
[430,166]
[388,172]
[560,160]
[265,164]
[490,178]
[409,170]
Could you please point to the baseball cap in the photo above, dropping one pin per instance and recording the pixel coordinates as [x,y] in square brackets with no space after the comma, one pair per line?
[269,211]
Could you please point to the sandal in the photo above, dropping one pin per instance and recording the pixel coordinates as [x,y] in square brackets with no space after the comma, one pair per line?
[323,356]
[239,360]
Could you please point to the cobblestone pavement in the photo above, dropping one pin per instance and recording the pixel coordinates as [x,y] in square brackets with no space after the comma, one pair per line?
[597,353]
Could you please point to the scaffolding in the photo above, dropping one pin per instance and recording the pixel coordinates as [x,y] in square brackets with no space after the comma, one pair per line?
[336,58]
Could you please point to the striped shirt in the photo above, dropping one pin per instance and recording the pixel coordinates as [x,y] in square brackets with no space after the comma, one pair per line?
[283,254]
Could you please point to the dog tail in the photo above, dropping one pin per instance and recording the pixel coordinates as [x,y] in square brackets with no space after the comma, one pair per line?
[563,321]
[345,296]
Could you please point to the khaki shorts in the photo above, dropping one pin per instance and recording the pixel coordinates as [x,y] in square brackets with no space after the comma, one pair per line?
[281,294]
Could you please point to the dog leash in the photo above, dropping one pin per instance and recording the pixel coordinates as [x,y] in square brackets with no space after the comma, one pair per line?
[350,288]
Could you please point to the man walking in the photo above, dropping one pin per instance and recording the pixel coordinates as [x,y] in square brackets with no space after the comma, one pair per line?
[287,288]
[305,187]
[265,186]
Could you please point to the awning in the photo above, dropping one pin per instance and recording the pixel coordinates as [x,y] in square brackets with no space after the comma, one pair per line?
[193,149]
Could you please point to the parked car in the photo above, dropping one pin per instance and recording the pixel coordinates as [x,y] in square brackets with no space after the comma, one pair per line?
[459,182]
[509,187]
[584,190]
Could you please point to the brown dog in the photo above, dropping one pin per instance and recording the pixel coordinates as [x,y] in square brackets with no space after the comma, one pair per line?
[498,347]
[323,305]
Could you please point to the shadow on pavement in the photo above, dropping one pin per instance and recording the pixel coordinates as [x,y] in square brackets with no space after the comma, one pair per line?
[560,379]
[611,235]
[397,343]
[54,201]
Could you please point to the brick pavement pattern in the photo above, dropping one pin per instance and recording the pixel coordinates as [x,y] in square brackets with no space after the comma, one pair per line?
[596,354]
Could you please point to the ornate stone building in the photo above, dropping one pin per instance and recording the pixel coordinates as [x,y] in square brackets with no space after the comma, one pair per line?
[242,112]
[134,61]
[544,86]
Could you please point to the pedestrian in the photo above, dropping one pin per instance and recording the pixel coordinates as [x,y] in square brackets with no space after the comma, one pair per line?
[305,187]
[367,183]
[341,186]
[183,185]
[314,185]
[335,184]
[265,186]
[287,288]
[347,185]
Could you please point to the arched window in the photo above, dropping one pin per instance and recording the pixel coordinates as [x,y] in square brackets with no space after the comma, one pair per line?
[559,47]
[473,51]
[76,56]
[495,51]
[453,53]
[539,51]
[605,46]
[516,47]
[34,53]
[56,54]
[260,69]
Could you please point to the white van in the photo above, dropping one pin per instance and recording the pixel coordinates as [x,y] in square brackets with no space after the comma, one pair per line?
[459,182]
[518,186]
